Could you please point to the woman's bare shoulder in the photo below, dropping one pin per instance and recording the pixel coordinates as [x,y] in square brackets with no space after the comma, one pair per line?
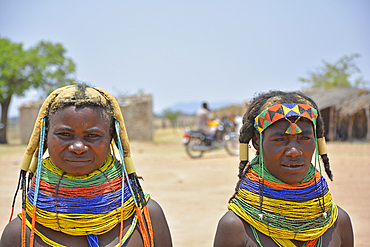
[162,235]
[344,227]
[231,231]
[11,234]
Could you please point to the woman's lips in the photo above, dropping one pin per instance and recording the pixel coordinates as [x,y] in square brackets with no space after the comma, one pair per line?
[292,166]
[78,161]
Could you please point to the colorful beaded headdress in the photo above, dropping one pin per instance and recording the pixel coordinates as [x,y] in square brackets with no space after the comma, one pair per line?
[280,111]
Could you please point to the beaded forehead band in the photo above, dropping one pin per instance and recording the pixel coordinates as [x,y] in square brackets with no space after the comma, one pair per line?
[284,111]
[280,111]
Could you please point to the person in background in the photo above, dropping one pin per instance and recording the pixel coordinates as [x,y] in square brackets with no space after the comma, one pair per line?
[203,118]
[281,198]
[238,123]
[207,124]
[81,194]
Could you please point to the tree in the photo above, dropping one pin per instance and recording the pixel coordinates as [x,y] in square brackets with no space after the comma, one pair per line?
[339,74]
[43,66]
[171,115]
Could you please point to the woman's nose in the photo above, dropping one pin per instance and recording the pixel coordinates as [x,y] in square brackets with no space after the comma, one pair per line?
[78,147]
[294,150]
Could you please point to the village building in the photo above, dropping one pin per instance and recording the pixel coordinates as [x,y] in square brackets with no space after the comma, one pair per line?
[346,113]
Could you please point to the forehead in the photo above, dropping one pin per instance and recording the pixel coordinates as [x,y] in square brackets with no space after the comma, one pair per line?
[81,114]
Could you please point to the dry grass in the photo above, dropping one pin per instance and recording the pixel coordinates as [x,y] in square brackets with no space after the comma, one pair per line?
[168,135]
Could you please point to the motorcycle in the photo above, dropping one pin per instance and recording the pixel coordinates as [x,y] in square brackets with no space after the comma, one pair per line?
[197,143]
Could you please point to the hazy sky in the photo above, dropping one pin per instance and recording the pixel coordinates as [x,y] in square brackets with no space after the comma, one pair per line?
[183,51]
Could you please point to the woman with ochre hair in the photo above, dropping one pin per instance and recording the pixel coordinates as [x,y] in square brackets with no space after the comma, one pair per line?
[81,194]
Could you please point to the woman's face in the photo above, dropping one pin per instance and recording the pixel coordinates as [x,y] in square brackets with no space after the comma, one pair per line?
[79,139]
[288,156]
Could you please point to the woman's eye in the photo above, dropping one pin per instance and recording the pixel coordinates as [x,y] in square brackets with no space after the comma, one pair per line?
[279,139]
[92,136]
[304,138]
[64,135]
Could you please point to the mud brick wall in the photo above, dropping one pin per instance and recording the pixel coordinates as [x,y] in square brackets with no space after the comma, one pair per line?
[27,118]
[138,114]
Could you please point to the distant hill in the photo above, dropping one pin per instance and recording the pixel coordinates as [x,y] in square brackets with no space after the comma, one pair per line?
[192,107]
[236,109]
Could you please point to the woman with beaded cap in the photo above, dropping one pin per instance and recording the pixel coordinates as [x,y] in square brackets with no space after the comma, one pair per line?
[281,199]
[81,195]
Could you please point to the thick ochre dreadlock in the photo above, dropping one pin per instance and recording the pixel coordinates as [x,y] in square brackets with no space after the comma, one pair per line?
[264,101]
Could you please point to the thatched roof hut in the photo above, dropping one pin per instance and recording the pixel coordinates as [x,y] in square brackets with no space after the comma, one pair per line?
[346,112]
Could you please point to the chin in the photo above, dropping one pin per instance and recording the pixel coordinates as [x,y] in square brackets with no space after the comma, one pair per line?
[77,173]
[294,180]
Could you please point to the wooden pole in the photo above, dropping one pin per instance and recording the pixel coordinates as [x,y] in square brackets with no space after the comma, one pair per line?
[350,127]
[367,112]
[331,125]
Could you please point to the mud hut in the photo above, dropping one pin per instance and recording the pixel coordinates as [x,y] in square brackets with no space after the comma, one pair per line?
[345,112]
[354,117]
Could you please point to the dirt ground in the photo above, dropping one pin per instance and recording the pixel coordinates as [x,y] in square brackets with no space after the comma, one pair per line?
[194,193]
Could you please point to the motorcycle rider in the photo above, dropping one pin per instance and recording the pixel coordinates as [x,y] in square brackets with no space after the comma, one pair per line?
[210,134]
[207,123]
[204,116]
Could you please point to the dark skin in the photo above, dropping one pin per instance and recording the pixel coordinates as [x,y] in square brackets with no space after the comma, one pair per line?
[287,157]
[78,142]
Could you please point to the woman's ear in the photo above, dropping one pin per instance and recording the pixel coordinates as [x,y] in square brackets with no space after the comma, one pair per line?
[256,141]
